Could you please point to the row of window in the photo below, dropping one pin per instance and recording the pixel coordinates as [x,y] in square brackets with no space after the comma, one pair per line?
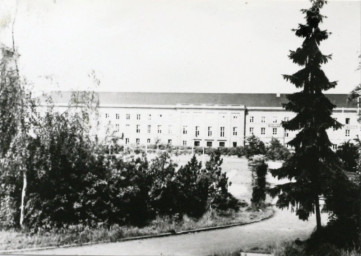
[275,119]
[127,116]
[263,130]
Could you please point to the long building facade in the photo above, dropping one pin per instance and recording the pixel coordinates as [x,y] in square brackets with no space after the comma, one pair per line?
[205,119]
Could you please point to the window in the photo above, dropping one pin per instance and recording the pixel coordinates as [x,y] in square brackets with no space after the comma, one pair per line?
[221,144]
[150,117]
[209,144]
[347,120]
[117,127]
[184,143]
[169,129]
[235,117]
[185,131]
[169,142]
[209,131]
[160,115]
[127,116]
[159,129]
[148,141]
[137,141]
[126,140]
[334,146]
[196,143]
[287,134]
[234,131]
[222,131]
[251,129]
[116,116]
[138,116]
[347,133]
[275,119]
[149,129]
[197,131]
[234,144]
[286,119]
[106,115]
[251,119]
[274,131]
[263,130]
[137,129]
[263,119]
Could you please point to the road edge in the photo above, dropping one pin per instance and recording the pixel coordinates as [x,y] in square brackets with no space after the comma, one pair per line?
[15,251]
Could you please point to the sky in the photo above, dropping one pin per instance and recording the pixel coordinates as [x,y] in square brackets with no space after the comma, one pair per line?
[230,46]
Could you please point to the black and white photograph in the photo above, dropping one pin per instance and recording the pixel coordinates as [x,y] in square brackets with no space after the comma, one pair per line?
[180,127]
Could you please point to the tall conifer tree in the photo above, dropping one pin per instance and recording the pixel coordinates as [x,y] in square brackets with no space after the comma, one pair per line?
[313,165]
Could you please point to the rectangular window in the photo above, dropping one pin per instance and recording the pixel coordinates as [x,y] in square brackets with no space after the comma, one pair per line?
[196,143]
[137,129]
[347,133]
[117,127]
[347,120]
[222,131]
[106,115]
[197,131]
[209,144]
[169,129]
[287,134]
[234,131]
[148,141]
[209,131]
[184,143]
[251,119]
[126,140]
[221,144]
[263,130]
[159,129]
[263,119]
[275,119]
[149,129]
[185,131]
[138,116]
[150,117]
[127,116]
[137,140]
[251,130]
[234,144]
[274,131]
[334,146]
[116,116]
[169,142]
[235,117]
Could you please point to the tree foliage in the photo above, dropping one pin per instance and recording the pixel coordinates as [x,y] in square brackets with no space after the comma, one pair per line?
[313,165]
[254,146]
[259,170]
[276,151]
[348,153]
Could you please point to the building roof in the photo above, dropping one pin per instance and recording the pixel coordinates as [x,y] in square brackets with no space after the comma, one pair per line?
[156,98]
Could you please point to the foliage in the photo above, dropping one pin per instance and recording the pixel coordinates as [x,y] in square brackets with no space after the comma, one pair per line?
[348,153]
[254,146]
[313,165]
[259,170]
[276,151]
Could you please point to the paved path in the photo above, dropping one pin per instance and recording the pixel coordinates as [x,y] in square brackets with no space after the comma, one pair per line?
[283,226]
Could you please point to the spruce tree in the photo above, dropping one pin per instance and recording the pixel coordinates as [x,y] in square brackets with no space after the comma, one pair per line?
[313,164]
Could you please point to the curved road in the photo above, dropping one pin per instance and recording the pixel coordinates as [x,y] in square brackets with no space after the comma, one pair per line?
[283,226]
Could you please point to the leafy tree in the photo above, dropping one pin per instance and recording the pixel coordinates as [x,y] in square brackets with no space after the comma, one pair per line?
[276,151]
[254,146]
[313,165]
[349,156]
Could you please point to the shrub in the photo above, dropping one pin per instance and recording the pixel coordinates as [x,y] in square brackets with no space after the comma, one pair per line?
[349,156]
[259,172]
[276,151]
[254,146]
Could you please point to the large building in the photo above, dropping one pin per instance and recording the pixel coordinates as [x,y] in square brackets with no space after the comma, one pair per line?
[205,119]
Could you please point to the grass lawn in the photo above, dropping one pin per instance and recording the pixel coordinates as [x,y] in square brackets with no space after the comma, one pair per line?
[238,173]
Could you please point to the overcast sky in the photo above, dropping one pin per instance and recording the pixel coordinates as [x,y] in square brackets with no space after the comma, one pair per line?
[174,45]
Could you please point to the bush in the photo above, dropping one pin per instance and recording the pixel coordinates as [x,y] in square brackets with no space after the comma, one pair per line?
[259,172]
[349,156]
[276,151]
[254,146]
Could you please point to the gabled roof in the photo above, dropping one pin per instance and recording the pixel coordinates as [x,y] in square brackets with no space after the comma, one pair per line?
[156,98]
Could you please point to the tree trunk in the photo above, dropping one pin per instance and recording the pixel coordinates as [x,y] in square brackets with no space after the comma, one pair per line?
[318,213]
[23,193]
